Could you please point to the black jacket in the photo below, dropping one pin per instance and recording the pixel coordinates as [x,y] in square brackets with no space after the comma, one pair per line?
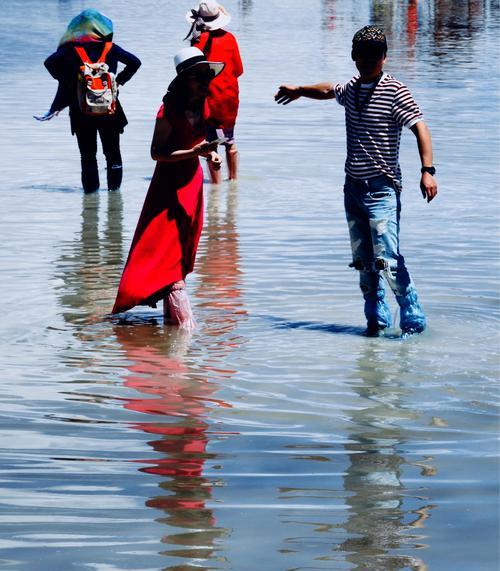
[64,65]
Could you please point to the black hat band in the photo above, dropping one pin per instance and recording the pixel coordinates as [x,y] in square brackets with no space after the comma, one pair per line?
[189,63]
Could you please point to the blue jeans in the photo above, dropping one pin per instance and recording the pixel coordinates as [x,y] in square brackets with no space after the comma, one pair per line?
[373,208]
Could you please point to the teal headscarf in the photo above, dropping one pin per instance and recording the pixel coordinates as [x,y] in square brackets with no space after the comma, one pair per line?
[89,26]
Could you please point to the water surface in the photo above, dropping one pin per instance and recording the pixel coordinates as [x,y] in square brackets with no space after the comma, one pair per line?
[275,437]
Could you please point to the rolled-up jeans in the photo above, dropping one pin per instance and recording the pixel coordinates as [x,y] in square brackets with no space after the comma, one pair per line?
[373,208]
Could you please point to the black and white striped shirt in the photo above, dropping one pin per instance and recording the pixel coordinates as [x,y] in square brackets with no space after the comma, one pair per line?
[374,132]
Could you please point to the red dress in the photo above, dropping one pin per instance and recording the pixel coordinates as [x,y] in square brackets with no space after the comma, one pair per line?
[223,93]
[164,247]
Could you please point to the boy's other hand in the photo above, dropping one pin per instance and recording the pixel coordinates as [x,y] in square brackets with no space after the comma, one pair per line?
[428,186]
[287,93]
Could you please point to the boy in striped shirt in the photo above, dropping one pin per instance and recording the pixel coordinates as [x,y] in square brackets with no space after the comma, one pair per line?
[377,107]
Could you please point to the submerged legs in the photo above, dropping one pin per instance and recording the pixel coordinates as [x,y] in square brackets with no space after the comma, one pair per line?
[177,307]
[372,209]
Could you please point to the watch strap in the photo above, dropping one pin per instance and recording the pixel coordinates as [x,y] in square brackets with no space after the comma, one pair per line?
[430,170]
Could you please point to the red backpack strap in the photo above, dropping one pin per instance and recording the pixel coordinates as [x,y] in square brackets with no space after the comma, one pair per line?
[105,51]
[83,54]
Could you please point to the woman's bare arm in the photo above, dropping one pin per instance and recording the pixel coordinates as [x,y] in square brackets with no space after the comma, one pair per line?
[160,150]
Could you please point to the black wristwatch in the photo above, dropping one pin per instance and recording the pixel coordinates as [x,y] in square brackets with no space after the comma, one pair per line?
[430,170]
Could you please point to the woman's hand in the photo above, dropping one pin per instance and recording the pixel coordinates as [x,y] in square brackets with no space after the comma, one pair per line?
[216,161]
[204,149]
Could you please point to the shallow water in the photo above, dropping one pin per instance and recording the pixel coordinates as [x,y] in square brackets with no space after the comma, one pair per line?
[275,437]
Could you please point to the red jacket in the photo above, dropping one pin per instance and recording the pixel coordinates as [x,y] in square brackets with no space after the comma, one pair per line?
[223,95]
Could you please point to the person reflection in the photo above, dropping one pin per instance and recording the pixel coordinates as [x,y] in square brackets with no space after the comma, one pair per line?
[411,26]
[219,264]
[382,14]
[89,263]
[180,399]
[376,528]
[178,404]
[245,7]
[328,14]
[454,27]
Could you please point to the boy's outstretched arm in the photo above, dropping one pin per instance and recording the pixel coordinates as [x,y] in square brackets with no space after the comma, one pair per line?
[288,93]
[428,184]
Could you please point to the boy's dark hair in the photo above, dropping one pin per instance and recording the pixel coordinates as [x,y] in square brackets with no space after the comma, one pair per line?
[370,41]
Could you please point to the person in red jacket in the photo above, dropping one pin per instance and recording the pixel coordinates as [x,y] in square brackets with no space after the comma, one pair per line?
[206,34]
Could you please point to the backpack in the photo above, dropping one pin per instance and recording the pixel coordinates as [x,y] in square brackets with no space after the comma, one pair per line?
[96,87]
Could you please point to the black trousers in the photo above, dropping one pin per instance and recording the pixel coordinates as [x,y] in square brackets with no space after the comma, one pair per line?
[109,133]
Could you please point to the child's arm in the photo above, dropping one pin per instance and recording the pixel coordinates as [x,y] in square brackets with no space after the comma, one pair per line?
[288,93]
[428,184]
[159,145]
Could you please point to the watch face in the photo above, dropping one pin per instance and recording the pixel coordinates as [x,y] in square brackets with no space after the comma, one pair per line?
[430,170]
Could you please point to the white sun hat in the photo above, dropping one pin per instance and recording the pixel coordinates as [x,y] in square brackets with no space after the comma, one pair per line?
[187,58]
[210,14]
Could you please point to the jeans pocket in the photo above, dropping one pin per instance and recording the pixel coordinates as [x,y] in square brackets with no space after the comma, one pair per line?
[380,188]
[380,194]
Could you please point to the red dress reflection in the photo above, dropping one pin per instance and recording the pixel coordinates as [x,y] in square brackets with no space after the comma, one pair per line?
[157,370]
[181,398]
[412,23]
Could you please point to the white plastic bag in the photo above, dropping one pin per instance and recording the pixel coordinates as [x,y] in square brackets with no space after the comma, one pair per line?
[179,310]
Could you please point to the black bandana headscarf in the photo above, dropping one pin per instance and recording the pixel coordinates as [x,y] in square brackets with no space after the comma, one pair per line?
[369,36]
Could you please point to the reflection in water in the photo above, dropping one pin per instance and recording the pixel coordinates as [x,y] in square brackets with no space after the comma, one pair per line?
[460,20]
[90,263]
[218,263]
[180,403]
[181,398]
[376,524]
[411,26]
[245,7]
[379,529]
[449,27]
[176,398]
[382,14]
[328,15]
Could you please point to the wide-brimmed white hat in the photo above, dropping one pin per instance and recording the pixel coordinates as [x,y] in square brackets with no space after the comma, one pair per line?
[187,58]
[210,14]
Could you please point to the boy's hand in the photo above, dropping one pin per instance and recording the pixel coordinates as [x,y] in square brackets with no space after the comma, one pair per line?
[287,93]
[428,186]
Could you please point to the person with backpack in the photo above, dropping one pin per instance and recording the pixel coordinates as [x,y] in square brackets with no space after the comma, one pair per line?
[85,65]
[377,107]
[207,34]
[165,242]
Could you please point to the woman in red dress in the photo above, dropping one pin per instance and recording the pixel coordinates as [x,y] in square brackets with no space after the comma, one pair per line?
[164,246]
[217,44]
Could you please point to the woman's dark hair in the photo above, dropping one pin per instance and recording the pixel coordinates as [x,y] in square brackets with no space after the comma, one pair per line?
[177,96]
